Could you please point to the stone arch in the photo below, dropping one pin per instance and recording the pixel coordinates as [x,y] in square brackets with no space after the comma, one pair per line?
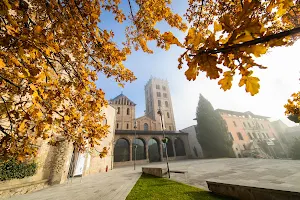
[139,145]
[179,147]
[122,150]
[169,146]
[154,149]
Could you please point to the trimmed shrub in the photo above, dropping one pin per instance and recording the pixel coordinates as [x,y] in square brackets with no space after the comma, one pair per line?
[14,169]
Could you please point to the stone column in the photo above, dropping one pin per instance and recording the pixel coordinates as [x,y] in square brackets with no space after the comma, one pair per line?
[174,150]
[161,151]
[130,151]
[146,151]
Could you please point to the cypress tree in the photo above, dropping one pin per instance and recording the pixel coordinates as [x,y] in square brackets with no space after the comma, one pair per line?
[212,131]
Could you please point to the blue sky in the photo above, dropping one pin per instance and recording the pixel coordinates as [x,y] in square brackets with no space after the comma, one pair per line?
[278,82]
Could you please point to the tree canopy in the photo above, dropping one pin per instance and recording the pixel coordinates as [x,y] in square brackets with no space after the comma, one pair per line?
[51,52]
[226,36]
[212,132]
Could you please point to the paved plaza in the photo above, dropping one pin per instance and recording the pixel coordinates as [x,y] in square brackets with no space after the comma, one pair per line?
[116,184]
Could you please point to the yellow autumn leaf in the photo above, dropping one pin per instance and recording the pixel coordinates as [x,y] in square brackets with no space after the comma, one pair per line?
[217,27]
[171,39]
[191,36]
[2,64]
[191,73]
[66,117]
[244,37]
[242,81]
[47,51]
[33,87]
[281,10]
[38,29]
[39,114]
[226,82]
[50,37]
[22,126]
[121,85]
[258,50]
[252,85]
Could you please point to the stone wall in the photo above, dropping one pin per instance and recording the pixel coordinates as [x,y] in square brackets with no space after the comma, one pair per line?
[9,191]
[61,162]
[54,163]
[195,147]
[95,164]
[36,182]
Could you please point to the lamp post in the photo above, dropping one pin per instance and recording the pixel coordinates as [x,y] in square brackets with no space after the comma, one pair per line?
[135,145]
[164,139]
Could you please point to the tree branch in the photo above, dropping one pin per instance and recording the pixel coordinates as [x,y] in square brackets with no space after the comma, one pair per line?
[131,10]
[249,43]
[9,82]
[10,119]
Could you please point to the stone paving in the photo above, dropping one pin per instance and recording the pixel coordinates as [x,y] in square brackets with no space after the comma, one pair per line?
[265,173]
[116,184]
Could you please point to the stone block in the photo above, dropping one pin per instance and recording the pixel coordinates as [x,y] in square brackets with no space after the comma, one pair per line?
[155,171]
[247,192]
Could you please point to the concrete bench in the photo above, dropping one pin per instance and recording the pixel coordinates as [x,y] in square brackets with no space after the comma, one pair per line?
[162,172]
[155,171]
[249,192]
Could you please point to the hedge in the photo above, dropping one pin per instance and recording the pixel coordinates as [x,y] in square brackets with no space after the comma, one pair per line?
[14,169]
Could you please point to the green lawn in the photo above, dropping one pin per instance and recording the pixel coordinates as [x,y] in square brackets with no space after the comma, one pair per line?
[150,187]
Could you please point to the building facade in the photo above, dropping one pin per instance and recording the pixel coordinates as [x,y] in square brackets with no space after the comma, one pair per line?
[125,112]
[148,135]
[248,131]
[158,96]
[196,149]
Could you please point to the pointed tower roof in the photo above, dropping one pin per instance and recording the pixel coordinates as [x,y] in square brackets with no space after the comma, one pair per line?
[121,99]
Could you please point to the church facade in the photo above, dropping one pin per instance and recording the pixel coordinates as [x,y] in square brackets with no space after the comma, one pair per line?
[140,138]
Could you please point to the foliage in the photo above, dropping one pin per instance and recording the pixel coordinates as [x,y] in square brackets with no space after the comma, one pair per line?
[225,36]
[13,169]
[295,149]
[212,132]
[150,187]
[50,54]
[293,108]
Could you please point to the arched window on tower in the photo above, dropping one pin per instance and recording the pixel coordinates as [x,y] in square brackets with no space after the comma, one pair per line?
[159,103]
[118,110]
[168,115]
[127,126]
[166,104]
[128,111]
